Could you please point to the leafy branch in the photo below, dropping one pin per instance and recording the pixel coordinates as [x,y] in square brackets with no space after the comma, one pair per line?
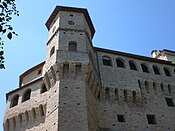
[7,11]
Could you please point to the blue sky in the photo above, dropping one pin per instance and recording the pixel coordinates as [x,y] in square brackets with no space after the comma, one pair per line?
[134,26]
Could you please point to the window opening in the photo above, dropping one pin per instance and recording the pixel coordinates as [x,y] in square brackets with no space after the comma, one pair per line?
[151,119]
[154,87]
[169,88]
[162,87]
[14,101]
[167,72]
[121,118]
[34,113]
[156,70]
[147,86]
[144,68]
[132,65]
[169,102]
[107,93]
[134,95]
[39,71]
[72,46]
[52,51]
[41,110]
[43,88]
[26,95]
[107,61]
[125,95]
[120,63]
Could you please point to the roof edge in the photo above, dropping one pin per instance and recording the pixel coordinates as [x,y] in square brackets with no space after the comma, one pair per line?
[140,57]
[29,71]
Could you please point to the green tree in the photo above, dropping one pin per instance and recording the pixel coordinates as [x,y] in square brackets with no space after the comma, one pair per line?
[8,10]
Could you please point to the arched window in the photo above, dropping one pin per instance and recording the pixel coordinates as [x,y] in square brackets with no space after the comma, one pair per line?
[72,46]
[144,68]
[167,72]
[43,89]
[26,95]
[52,51]
[120,63]
[107,61]
[132,65]
[156,70]
[14,101]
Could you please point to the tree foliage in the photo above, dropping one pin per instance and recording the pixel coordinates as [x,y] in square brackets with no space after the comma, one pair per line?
[7,11]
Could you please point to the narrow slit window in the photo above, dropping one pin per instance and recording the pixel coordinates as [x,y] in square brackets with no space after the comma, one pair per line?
[107,93]
[125,95]
[134,95]
[52,51]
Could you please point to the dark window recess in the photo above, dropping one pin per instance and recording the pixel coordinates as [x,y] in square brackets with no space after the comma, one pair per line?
[43,88]
[107,61]
[169,102]
[72,46]
[156,70]
[167,72]
[144,68]
[132,65]
[107,93]
[151,119]
[121,118]
[52,51]
[14,101]
[39,71]
[120,63]
[26,95]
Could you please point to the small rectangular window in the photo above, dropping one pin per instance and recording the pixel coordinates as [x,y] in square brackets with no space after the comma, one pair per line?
[39,71]
[121,118]
[169,102]
[151,119]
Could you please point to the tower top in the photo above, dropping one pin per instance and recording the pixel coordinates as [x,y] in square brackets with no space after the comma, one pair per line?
[71,9]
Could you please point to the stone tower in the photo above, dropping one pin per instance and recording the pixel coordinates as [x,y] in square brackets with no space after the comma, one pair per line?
[84,88]
[69,48]
[63,104]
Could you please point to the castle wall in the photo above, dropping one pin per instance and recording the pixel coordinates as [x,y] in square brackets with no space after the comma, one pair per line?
[134,94]
[27,114]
